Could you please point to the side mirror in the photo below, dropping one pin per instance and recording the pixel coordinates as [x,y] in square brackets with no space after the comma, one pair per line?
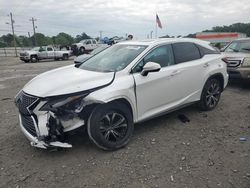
[150,67]
[78,64]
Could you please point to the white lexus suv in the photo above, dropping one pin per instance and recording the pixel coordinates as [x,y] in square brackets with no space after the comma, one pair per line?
[127,83]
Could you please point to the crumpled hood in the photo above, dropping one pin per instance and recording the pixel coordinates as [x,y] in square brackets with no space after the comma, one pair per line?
[66,80]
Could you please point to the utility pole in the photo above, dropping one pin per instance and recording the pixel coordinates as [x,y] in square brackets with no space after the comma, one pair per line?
[34,29]
[100,35]
[151,34]
[30,38]
[13,32]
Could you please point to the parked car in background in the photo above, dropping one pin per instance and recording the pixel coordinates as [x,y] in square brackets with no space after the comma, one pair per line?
[127,83]
[84,46]
[237,55]
[81,58]
[43,52]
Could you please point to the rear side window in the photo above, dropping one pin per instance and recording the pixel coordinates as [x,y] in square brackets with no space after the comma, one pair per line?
[185,51]
[49,49]
[204,50]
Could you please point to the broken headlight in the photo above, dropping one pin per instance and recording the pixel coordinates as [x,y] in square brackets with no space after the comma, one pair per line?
[73,102]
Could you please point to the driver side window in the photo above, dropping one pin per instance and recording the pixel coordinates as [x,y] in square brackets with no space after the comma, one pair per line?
[162,55]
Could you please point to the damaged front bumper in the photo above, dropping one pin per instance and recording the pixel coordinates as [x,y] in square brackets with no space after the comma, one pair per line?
[45,129]
[38,141]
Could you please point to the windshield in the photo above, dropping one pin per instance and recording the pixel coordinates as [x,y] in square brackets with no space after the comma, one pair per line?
[99,49]
[35,49]
[115,58]
[238,46]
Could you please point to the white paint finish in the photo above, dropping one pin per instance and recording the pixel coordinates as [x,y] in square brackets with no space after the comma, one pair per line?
[66,80]
[150,95]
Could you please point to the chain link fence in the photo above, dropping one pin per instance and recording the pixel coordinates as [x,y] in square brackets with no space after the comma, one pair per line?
[10,51]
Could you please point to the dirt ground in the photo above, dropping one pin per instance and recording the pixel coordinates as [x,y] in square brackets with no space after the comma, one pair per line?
[164,152]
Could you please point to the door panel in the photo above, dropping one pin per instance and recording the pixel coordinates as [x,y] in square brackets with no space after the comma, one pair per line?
[174,85]
[156,90]
[50,53]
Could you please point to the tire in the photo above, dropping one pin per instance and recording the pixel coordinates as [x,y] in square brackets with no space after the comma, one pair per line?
[81,50]
[26,61]
[33,59]
[110,126]
[210,94]
[65,57]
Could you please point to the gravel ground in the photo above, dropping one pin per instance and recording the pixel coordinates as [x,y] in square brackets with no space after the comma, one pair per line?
[164,152]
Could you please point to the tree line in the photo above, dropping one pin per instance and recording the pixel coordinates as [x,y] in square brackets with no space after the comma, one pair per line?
[62,38]
[40,39]
[236,27]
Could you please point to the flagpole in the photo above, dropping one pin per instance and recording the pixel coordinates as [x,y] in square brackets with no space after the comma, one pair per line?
[155,27]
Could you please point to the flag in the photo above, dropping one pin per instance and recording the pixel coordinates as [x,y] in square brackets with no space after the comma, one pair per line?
[158,21]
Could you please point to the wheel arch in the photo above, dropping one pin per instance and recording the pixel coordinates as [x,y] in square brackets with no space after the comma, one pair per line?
[126,102]
[218,76]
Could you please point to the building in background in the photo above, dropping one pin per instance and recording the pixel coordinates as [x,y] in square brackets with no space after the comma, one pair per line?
[220,39]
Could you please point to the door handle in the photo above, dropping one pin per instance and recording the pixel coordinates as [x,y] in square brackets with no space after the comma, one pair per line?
[206,65]
[175,72]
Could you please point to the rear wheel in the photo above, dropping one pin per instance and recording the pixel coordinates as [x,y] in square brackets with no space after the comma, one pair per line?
[211,94]
[111,126]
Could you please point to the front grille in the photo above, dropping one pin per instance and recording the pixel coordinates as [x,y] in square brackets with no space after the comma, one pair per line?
[233,63]
[24,101]
[22,54]
[28,124]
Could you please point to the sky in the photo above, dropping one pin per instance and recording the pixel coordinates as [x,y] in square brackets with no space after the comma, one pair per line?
[121,17]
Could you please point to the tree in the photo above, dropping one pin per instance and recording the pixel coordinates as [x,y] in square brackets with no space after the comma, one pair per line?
[2,44]
[236,27]
[8,40]
[165,36]
[24,41]
[82,37]
[41,39]
[63,39]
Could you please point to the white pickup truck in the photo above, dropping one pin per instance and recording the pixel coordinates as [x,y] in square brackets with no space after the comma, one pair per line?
[84,46]
[43,52]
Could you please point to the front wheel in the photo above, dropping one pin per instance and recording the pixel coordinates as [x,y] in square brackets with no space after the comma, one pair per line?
[65,56]
[111,126]
[211,94]
[81,50]
[33,59]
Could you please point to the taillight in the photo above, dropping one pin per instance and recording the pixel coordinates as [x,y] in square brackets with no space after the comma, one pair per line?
[225,60]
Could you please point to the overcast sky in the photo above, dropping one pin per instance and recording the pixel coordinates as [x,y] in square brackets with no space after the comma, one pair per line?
[118,17]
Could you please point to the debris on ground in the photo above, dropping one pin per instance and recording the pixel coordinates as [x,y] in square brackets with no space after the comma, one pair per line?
[5,99]
[243,139]
[183,118]
[172,178]
[153,141]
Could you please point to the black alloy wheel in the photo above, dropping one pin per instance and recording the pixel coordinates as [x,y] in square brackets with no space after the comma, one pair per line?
[211,94]
[113,127]
[110,126]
